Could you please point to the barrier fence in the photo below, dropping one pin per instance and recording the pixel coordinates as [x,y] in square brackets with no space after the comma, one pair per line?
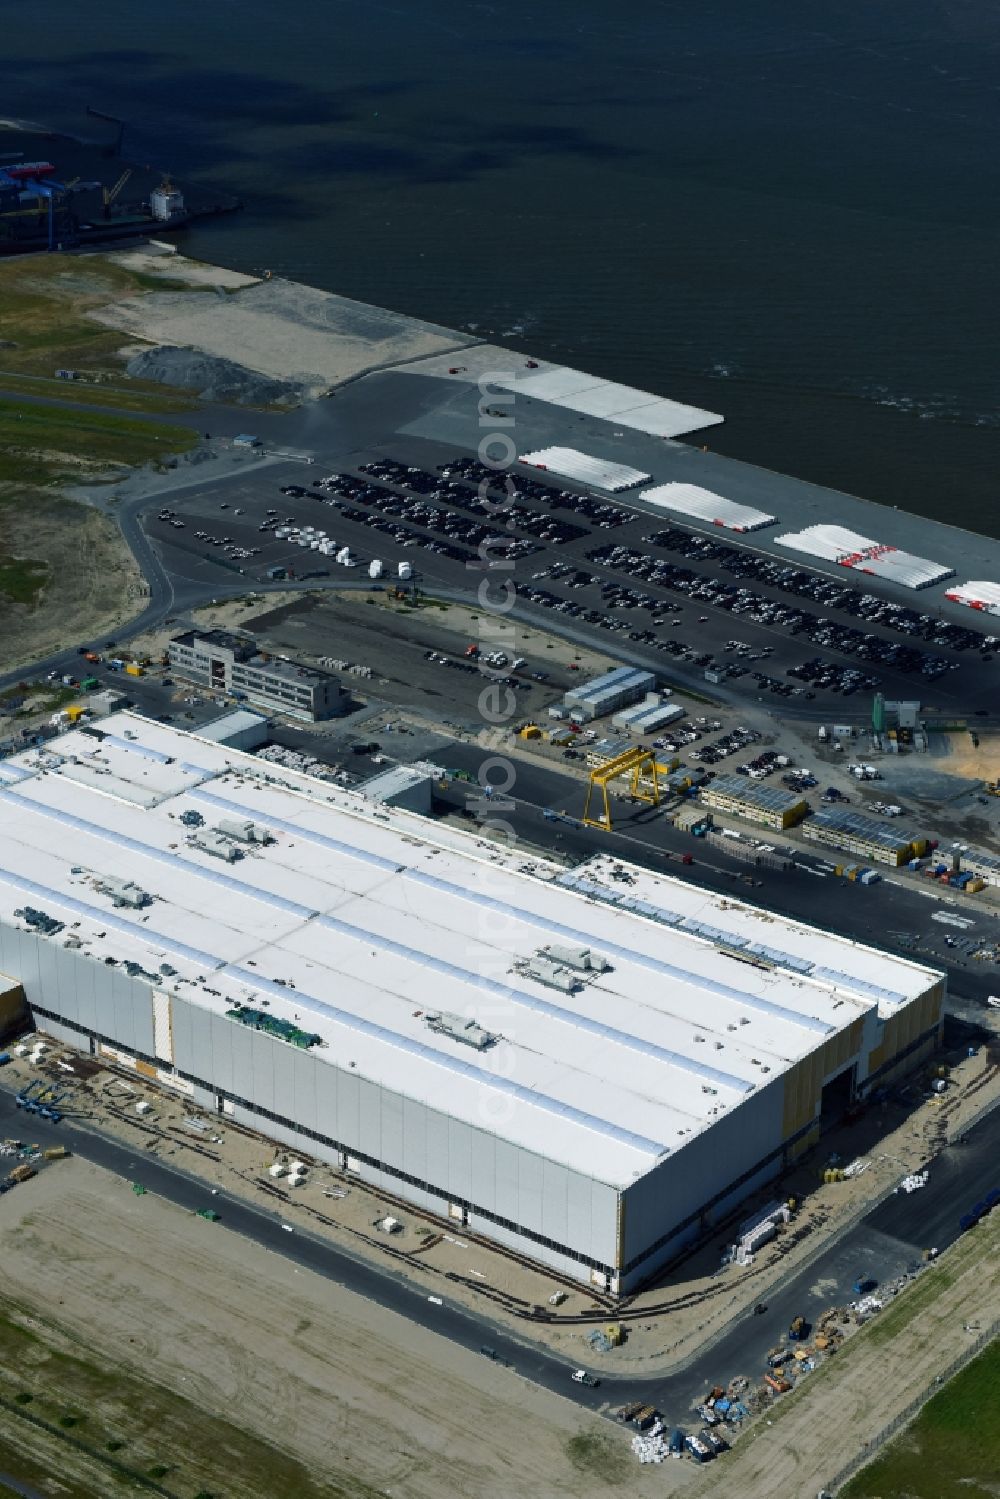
[872,1448]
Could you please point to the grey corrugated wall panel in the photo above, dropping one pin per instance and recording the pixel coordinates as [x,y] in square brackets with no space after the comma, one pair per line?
[554,1202]
[106,1010]
[59,1032]
[370,1133]
[697,1171]
[579,1209]
[415,1160]
[438,1142]
[275,1065]
[505,1180]
[529,1189]
[461,1180]
[392,1128]
[307,1077]
[86,995]
[571,1268]
[180,1028]
[227,1054]
[482,1156]
[338,1113]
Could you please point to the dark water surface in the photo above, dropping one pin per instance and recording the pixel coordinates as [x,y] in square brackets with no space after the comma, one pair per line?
[786,213]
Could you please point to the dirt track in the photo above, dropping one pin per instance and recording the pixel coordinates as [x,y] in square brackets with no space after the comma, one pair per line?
[356,1392]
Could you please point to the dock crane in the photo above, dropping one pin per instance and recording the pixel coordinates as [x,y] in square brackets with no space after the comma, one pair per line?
[97,114]
[640,766]
[34,179]
[111,193]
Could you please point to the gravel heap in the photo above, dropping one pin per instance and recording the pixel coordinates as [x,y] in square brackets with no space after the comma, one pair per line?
[213,378]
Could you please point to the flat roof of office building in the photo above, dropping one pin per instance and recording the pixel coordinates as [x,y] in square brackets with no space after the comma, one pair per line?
[856,825]
[768,798]
[357,920]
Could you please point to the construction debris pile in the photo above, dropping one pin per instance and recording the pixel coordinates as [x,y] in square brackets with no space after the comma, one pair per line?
[652,1446]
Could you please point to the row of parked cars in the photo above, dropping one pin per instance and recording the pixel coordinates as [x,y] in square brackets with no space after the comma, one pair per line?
[511,514]
[758,609]
[831,593]
[601,514]
[820,629]
[732,743]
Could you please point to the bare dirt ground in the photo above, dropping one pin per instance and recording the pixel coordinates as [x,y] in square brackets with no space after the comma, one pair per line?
[169,266]
[93,583]
[356,1393]
[888,1364]
[295,333]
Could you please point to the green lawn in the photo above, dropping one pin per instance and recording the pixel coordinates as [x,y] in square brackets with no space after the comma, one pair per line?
[21,579]
[128,396]
[44,444]
[952,1450]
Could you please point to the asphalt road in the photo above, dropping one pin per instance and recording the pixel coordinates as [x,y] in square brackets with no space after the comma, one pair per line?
[807,891]
[881,1246]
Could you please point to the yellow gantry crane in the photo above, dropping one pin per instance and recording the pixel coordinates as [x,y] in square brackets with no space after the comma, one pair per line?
[640,765]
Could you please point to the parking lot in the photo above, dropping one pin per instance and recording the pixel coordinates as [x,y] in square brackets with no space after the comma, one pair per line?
[697,603]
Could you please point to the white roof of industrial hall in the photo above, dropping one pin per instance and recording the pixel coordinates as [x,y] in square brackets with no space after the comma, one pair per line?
[358,920]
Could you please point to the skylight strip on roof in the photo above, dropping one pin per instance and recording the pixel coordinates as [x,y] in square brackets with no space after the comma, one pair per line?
[536,1004]
[147,935]
[158,855]
[435,882]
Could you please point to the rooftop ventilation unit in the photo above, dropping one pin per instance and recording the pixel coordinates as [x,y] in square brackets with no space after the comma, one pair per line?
[244,831]
[40,920]
[284,1030]
[555,975]
[123,892]
[213,843]
[459,1028]
[580,958]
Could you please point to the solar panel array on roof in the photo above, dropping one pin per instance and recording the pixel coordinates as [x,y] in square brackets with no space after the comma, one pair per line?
[856,825]
[741,788]
[712,509]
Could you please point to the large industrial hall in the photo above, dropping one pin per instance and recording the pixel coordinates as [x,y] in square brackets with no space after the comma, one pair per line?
[589,1066]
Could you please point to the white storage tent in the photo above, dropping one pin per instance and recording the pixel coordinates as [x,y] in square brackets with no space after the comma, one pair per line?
[637,409]
[585,469]
[713,509]
[984,596]
[875,558]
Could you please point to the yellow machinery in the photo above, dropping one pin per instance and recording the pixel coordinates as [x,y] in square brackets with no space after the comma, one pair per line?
[640,765]
[111,193]
[992,788]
